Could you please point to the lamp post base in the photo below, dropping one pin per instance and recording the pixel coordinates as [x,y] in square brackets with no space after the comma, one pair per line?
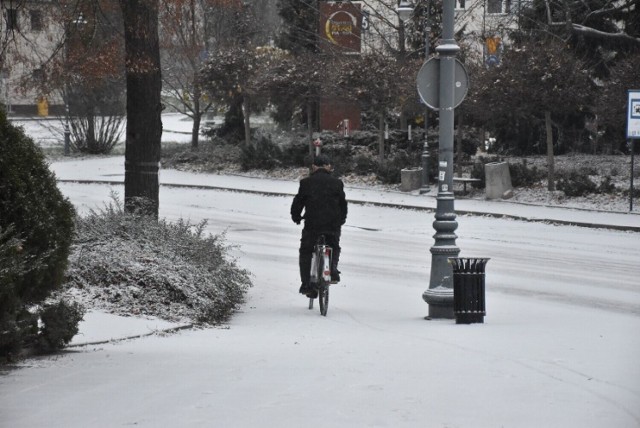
[440,302]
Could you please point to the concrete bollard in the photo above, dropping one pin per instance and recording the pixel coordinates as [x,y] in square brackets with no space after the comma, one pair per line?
[498,180]
[411,179]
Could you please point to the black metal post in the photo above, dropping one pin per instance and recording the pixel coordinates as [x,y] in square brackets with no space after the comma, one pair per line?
[439,295]
[425,149]
[631,182]
[67,133]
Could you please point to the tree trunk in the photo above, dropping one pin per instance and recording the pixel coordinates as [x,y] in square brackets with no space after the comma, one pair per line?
[246,106]
[551,184]
[310,127]
[195,130]
[381,132]
[197,117]
[144,107]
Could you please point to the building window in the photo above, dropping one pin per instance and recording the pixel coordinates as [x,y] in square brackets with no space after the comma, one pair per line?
[494,6]
[38,75]
[460,4]
[12,20]
[36,20]
[498,6]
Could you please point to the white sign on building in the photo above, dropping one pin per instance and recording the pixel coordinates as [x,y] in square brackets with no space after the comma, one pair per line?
[633,115]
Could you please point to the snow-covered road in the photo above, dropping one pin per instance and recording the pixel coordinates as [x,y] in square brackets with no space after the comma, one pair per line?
[559,347]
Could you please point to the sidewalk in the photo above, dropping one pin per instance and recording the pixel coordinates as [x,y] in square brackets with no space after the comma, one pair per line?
[111,170]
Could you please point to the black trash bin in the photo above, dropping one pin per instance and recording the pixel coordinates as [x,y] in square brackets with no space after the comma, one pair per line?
[468,289]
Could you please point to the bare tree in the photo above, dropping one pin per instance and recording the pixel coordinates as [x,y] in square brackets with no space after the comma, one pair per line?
[144,106]
[373,82]
[191,31]
[539,84]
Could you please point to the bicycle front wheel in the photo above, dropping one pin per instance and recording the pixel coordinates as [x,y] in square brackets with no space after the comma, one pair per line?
[323,297]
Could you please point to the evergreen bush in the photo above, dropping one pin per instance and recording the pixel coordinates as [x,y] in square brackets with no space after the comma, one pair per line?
[389,172]
[295,155]
[576,183]
[59,324]
[523,176]
[36,230]
[364,164]
[263,155]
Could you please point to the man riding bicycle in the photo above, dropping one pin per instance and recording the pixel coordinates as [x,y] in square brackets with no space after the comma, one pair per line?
[325,211]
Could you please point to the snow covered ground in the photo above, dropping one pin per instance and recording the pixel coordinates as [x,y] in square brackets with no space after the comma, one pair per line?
[559,346]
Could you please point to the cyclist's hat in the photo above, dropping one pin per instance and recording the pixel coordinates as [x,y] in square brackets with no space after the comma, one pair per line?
[322,160]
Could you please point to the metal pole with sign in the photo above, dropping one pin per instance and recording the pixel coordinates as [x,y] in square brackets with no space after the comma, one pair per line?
[452,87]
[443,83]
[633,132]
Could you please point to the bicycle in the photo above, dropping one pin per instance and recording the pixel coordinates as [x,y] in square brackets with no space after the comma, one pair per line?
[321,273]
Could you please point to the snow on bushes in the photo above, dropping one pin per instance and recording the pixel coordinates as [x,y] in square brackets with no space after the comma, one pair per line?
[36,231]
[136,265]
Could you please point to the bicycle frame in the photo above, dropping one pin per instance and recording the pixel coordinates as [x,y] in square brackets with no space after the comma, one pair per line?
[321,273]
[325,253]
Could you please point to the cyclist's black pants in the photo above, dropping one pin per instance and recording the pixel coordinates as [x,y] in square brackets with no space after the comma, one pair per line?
[308,241]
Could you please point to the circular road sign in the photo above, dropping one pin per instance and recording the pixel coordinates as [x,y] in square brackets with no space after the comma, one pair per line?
[429,83]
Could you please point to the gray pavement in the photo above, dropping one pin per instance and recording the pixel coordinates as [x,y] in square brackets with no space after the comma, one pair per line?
[111,170]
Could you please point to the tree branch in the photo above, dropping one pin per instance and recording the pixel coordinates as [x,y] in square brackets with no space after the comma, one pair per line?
[592,32]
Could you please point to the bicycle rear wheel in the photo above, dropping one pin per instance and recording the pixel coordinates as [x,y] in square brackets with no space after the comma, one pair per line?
[323,297]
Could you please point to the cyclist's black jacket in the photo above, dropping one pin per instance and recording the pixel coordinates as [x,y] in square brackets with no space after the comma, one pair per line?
[322,198]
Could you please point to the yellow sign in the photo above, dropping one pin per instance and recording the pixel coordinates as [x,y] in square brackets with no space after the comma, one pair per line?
[340,25]
[43,107]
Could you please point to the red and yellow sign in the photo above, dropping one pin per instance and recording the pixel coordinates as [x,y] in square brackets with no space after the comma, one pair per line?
[340,26]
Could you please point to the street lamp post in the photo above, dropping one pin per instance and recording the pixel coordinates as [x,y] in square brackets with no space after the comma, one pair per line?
[439,295]
[67,132]
[405,10]
[425,149]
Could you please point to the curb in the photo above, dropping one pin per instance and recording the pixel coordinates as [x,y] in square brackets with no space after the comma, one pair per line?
[135,336]
[380,204]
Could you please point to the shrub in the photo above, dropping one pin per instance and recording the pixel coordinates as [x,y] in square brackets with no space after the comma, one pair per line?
[95,134]
[36,230]
[340,155]
[576,183]
[364,164]
[263,155]
[523,176]
[606,185]
[389,172]
[133,264]
[59,324]
[296,154]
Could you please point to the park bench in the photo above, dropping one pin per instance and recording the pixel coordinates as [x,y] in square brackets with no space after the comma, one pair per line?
[464,181]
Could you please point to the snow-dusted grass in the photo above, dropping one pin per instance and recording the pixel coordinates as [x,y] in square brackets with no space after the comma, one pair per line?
[135,265]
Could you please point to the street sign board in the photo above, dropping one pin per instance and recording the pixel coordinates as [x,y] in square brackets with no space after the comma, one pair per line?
[633,115]
[429,83]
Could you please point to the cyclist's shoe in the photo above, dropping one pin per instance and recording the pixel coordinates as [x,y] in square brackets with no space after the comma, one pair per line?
[335,276]
[309,290]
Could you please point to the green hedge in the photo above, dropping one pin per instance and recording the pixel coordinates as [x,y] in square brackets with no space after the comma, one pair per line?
[36,231]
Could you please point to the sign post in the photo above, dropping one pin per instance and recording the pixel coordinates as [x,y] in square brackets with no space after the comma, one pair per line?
[633,132]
